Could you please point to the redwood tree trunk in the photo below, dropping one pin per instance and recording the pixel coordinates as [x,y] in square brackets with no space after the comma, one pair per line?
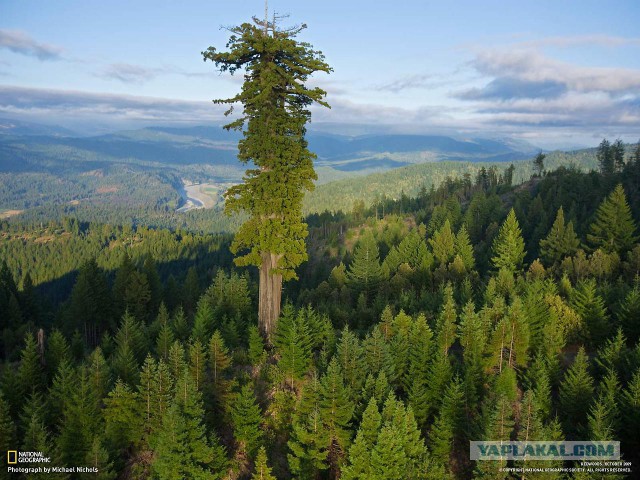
[270,295]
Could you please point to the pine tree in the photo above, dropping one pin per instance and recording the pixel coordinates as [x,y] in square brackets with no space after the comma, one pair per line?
[508,246]
[349,355]
[97,457]
[560,242]
[30,369]
[365,272]
[79,422]
[262,470]
[446,323]
[591,308]
[203,321]
[56,352]
[99,375]
[255,351]
[628,315]
[576,394]
[605,157]
[309,439]
[464,249]
[275,109]
[219,363]
[197,363]
[123,419]
[165,335]
[359,465]
[498,426]
[246,419]
[177,362]
[183,450]
[538,163]
[293,343]
[613,229]
[447,424]
[336,410]
[443,244]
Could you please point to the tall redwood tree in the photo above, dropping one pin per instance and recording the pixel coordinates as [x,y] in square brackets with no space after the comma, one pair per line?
[275,104]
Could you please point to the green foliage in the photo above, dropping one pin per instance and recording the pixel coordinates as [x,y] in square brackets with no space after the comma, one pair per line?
[275,110]
[576,395]
[255,351]
[246,419]
[613,229]
[183,450]
[560,242]
[262,470]
[508,246]
[365,272]
[293,343]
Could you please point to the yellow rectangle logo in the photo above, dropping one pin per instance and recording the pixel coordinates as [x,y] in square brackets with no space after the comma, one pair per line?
[12,457]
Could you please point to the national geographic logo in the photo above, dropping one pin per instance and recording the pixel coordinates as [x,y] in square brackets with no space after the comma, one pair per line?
[14,457]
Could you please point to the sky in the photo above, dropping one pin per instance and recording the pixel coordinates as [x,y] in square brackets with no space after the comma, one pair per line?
[558,74]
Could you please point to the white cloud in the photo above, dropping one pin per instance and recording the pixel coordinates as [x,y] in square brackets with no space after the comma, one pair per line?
[21,43]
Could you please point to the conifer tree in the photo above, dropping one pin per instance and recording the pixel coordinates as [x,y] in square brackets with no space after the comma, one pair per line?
[508,246]
[219,363]
[255,352]
[97,457]
[275,111]
[349,355]
[79,422]
[576,394]
[293,344]
[197,363]
[360,452]
[246,419]
[560,242]
[613,229]
[30,369]
[262,470]
[446,323]
[165,336]
[203,321]
[591,308]
[498,426]
[464,249]
[447,424]
[183,450]
[628,315]
[309,437]
[605,157]
[177,362]
[57,350]
[443,244]
[99,375]
[336,410]
[365,272]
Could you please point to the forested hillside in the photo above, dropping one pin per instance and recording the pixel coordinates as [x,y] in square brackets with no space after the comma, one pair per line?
[481,308]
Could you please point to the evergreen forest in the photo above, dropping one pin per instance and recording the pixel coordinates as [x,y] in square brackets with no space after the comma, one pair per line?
[482,307]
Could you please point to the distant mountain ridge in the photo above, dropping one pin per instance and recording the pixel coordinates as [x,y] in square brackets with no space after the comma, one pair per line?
[214,146]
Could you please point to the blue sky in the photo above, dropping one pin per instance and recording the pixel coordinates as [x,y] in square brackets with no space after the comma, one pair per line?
[554,73]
